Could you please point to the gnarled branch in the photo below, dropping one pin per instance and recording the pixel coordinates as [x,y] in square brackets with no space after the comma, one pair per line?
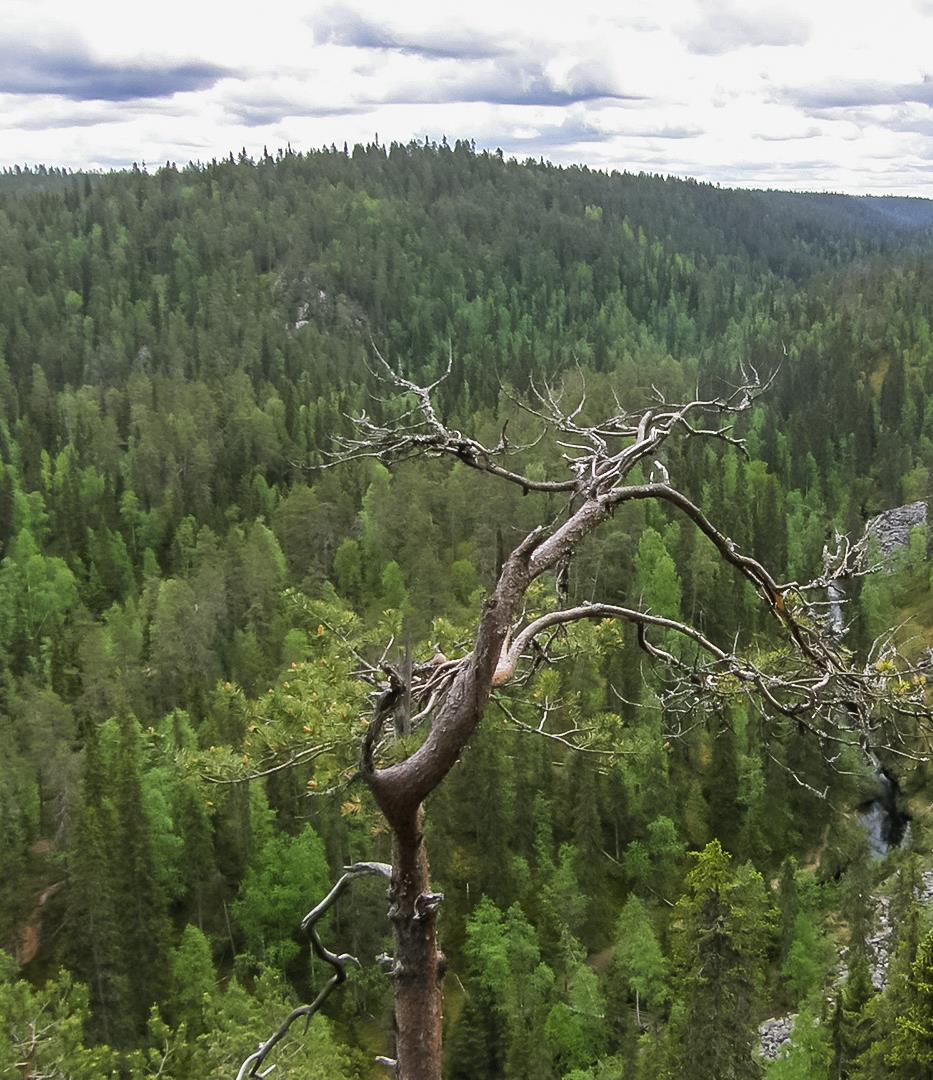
[251,1066]
[811,682]
[816,680]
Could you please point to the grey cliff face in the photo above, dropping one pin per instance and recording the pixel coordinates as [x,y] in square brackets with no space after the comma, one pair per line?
[891,528]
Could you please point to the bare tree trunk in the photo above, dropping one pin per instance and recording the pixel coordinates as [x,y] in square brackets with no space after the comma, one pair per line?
[418,962]
[451,696]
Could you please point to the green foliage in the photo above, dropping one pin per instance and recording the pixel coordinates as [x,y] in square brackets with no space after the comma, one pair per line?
[637,957]
[576,1030]
[514,989]
[809,958]
[348,570]
[42,1030]
[176,348]
[307,1054]
[788,903]
[192,987]
[722,939]
[285,872]
[656,579]
[810,1052]
[37,593]
[911,1047]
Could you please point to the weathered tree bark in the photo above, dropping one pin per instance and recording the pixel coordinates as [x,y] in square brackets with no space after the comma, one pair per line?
[418,969]
[400,791]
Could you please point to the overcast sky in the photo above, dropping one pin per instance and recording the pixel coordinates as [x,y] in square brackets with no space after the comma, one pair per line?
[824,95]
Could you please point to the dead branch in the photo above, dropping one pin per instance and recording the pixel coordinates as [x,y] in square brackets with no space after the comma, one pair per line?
[810,683]
[252,1065]
[568,738]
[816,677]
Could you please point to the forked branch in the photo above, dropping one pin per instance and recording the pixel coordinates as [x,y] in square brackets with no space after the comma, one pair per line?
[251,1066]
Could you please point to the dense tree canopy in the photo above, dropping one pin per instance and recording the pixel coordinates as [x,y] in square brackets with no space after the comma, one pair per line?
[186,590]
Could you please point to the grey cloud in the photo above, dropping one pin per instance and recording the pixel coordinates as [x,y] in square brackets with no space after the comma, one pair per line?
[567,133]
[89,114]
[574,131]
[727,26]
[859,94]
[766,171]
[494,72]
[343,26]
[112,161]
[809,133]
[913,126]
[41,122]
[667,132]
[511,83]
[660,163]
[67,69]
[261,112]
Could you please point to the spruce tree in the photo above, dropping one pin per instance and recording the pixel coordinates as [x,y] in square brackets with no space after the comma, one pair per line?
[724,787]
[911,1053]
[96,942]
[146,928]
[723,936]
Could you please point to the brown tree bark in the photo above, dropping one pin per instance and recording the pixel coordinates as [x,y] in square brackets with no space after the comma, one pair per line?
[418,970]
[400,791]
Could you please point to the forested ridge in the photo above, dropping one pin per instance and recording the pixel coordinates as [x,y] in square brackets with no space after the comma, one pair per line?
[187,582]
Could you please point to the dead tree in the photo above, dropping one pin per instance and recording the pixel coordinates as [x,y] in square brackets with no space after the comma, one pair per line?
[814,682]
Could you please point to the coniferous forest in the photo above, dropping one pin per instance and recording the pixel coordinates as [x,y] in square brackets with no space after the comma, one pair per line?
[191,582]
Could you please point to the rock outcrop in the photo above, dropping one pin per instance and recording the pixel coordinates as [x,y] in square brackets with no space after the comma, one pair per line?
[776,1032]
[882,940]
[773,1034]
[891,528]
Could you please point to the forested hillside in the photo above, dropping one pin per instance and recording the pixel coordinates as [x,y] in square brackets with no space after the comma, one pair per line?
[188,583]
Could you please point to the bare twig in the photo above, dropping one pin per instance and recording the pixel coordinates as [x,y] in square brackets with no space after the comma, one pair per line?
[568,738]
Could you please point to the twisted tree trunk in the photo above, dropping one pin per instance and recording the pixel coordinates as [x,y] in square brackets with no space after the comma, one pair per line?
[400,791]
[814,690]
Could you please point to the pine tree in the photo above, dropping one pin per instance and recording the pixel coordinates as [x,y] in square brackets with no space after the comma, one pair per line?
[44,1031]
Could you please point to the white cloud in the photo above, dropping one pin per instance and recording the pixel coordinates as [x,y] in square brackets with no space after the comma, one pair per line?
[724,25]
